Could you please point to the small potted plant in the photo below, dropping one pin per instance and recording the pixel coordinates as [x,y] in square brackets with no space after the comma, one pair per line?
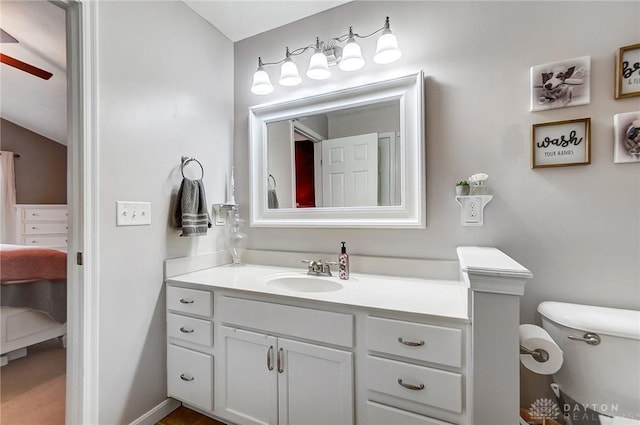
[462,188]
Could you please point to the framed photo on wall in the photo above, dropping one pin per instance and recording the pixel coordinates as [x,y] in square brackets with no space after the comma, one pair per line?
[561,84]
[626,137]
[628,71]
[561,143]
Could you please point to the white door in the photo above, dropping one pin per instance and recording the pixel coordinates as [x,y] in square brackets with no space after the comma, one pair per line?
[350,171]
[246,393]
[315,386]
[387,168]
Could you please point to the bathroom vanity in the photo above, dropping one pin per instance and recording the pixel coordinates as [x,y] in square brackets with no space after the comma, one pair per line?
[265,344]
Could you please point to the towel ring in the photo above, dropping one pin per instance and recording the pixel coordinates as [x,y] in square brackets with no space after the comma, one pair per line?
[186,160]
[272,186]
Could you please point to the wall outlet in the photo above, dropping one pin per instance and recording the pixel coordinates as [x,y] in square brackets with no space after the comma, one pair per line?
[472,209]
[133,213]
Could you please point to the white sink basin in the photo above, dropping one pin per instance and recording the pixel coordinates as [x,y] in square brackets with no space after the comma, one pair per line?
[304,283]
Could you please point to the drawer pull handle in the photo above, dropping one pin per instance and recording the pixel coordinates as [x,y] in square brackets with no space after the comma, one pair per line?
[187,378]
[186,330]
[183,301]
[33,227]
[270,358]
[411,387]
[410,343]
[280,360]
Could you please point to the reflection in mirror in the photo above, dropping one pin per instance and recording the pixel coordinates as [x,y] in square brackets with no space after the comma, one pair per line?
[353,157]
[342,158]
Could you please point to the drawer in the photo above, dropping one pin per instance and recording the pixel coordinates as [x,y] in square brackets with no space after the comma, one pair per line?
[440,388]
[190,376]
[44,214]
[379,414]
[45,241]
[190,329]
[418,341]
[40,228]
[192,301]
[317,325]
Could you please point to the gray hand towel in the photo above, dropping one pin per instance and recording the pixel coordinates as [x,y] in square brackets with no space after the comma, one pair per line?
[272,199]
[191,213]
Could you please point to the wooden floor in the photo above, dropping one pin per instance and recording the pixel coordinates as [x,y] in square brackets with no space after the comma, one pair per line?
[184,416]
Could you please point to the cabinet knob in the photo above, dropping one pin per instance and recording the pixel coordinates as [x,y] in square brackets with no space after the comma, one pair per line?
[411,387]
[186,330]
[410,343]
[187,378]
[186,301]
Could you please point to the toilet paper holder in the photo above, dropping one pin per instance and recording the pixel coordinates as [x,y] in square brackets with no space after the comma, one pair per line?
[538,354]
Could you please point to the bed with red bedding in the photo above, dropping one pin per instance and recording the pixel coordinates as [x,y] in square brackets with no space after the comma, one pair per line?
[33,295]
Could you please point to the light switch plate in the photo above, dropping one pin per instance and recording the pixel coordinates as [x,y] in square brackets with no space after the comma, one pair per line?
[133,213]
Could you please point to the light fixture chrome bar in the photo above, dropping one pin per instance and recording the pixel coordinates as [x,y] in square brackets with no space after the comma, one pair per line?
[348,58]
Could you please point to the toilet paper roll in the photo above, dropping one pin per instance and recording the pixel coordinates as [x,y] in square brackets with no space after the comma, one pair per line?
[534,337]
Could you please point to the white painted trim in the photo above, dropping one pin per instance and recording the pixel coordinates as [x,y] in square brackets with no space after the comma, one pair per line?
[411,214]
[82,296]
[496,284]
[91,215]
[154,415]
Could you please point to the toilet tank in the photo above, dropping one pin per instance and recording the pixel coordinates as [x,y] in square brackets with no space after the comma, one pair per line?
[605,377]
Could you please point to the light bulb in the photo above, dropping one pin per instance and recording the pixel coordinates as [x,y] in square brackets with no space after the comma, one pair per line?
[261,81]
[289,75]
[387,50]
[351,55]
[318,67]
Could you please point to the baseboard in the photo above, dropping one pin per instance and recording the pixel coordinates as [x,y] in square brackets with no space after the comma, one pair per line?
[154,415]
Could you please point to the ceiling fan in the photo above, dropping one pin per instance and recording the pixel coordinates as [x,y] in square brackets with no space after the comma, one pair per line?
[5,37]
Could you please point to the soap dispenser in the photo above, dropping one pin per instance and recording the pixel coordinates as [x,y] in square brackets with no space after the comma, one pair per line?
[343,262]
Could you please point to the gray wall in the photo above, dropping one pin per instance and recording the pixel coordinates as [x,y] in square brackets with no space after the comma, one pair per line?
[576,228]
[165,89]
[41,170]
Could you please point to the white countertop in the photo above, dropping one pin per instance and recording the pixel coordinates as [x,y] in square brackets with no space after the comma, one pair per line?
[439,298]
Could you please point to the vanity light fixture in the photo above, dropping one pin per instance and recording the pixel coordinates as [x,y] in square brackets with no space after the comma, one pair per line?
[348,58]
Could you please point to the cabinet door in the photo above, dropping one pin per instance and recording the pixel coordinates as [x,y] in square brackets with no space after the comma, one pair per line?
[315,386]
[246,393]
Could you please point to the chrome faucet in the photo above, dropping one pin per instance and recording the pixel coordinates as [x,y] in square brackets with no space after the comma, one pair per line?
[318,267]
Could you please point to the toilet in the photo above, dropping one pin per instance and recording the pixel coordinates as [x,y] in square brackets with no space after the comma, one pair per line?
[601,369]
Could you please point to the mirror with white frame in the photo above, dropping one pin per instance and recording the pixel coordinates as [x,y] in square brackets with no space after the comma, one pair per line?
[348,158]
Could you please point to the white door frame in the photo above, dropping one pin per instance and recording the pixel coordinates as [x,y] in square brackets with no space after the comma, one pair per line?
[82,197]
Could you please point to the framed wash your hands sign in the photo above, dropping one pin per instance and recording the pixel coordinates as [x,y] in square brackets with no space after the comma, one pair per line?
[628,71]
[561,143]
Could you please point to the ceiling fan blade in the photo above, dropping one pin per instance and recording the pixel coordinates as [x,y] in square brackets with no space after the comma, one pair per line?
[5,37]
[23,66]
